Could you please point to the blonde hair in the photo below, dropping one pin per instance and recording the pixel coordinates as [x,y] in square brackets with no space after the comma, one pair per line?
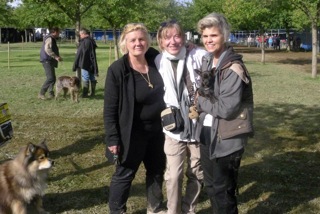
[215,20]
[163,30]
[130,28]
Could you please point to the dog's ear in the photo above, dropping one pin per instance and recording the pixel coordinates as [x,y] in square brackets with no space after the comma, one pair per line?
[43,144]
[30,149]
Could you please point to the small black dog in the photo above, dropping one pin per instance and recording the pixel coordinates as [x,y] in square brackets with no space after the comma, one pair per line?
[206,88]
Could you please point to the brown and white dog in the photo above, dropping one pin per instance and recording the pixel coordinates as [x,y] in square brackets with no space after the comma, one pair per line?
[69,85]
[23,180]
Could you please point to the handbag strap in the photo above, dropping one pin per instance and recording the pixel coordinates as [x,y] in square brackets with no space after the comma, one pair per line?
[188,82]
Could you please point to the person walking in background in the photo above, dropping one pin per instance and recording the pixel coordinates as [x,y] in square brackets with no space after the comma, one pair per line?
[227,116]
[86,59]
[133,101]
[177,70]
[270,41]
[49,57]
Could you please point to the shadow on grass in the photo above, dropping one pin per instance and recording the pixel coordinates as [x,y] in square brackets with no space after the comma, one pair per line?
[283,175]
[286,174]
[75,200]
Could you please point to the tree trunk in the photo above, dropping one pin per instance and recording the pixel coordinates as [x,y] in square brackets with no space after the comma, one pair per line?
[78,23]
[314,49]
[115,40]
[26,35]
[263,54]
[288,39]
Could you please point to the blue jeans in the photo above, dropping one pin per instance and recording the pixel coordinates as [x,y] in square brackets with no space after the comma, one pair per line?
[220,176]
[86,75]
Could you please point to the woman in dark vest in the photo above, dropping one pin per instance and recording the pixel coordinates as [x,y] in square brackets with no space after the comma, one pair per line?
[227,114]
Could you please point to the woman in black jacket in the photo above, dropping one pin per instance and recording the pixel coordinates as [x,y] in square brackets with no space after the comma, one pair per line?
[132,105]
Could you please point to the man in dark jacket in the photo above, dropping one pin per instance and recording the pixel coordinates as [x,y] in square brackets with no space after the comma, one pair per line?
[49,57]
[86,59]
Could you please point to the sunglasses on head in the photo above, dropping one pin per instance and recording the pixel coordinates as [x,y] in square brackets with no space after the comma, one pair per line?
[164,24]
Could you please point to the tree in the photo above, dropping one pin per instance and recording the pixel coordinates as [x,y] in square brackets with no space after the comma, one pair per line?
[311,10]
[117,13]
[261,16]
[32,14]
[202,8]
[6,14]
[73,9]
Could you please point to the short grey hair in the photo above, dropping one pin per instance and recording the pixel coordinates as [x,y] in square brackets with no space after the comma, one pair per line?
[85,31]
[215,20]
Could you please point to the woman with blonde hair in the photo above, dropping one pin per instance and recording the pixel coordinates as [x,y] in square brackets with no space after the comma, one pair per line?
[177,67]
[133,101]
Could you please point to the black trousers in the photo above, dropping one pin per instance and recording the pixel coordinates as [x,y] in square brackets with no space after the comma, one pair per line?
[220,176]
[48,85]
[146,147]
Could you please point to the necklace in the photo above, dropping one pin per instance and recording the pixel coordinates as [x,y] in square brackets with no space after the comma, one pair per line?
[147,80]
[145,68]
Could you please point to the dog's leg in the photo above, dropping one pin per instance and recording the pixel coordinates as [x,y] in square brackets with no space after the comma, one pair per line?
[77,96]
[18,207]
[72,95]
[39,205]
[57,92]
[65,91]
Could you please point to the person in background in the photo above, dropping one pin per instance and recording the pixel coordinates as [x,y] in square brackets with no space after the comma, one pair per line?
[49,57]
[133,101]
[86,59]
[227,119]
[176,67]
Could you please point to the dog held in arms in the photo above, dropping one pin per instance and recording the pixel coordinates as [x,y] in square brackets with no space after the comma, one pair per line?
[68,84]
[206,88]
[23,180]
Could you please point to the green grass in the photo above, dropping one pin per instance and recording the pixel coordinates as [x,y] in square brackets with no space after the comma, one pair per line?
[279,172]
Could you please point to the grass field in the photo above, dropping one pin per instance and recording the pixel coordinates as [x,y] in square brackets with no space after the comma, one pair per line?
[279,172]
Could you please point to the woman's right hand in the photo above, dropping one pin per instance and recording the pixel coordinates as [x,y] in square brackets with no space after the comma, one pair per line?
[114,149]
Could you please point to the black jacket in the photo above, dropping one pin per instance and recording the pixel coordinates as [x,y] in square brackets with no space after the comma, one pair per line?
[86,56]
[119,101]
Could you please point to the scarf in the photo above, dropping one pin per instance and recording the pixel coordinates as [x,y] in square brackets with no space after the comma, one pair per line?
[176,93]
[174,88]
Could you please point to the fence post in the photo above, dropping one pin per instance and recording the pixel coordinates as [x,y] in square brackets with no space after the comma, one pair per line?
[8,55]
[110,53]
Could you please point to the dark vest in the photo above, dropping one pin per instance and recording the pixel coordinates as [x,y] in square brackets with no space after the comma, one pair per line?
[44,56]
[242,121]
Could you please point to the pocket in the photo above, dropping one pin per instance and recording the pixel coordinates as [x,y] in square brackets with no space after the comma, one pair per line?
[242,124]
[172,147]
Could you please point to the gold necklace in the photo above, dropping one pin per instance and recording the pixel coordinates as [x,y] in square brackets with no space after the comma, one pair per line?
[147,80]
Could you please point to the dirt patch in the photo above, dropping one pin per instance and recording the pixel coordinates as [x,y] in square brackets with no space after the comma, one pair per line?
[300,58]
